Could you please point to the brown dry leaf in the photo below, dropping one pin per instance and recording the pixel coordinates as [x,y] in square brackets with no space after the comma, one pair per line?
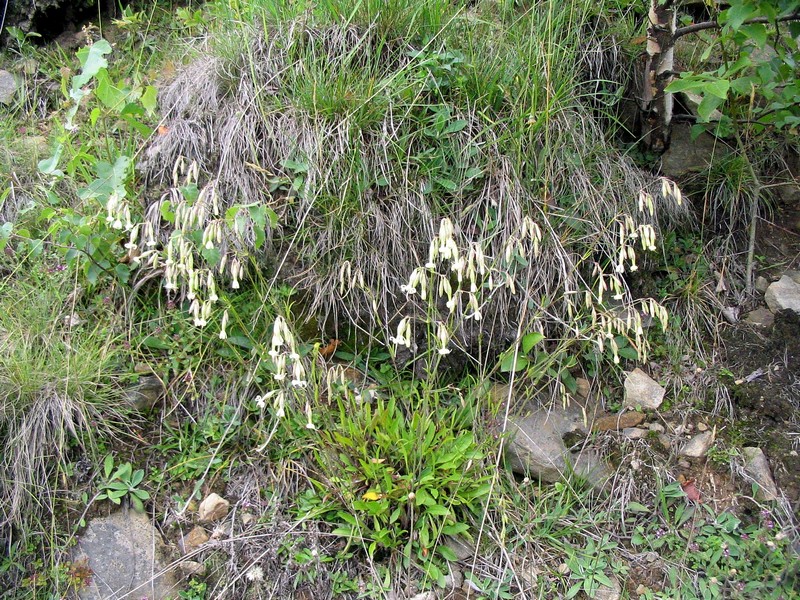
[691,491]
[327,351]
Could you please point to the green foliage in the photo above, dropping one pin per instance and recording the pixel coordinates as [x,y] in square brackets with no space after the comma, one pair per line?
[400,472]
[735,560]
[756,86]
[122,484]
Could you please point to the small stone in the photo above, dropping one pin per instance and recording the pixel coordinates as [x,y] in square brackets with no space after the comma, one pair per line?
[248,519]
[657,427]
[783,294]
[609,593]
[761,317]
[642,391]
[757,467]
[651,557]
[684,464]
[563,569]
[634,433]
[213,508]
[762,284]
[698,445]
[791,273]
[194,539]
[8,87]
[641,589]
[619,421]
[192,568]
[454,579]
[460,547]
[425,596]
[664,440]
[145,393]
[702,426]
[583,387]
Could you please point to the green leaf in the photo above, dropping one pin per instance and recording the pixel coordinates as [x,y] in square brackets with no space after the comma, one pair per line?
[513,363]
[707,107]
[756,32]
[437,510]
[149,99]
[137,504]
[637,508]
[446,553]
[112,95]
[48,166]
[455,127]
[718,88]
[108,465]
[529,340]
[737,14]
[92,59]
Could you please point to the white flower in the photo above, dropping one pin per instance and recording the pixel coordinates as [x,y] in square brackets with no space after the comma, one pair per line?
[255,573]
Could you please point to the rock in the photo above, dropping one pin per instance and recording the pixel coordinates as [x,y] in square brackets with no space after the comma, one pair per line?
[620,421]
[194,539]
[145,393]
[537,445]
[664,440]
[8,87]
[757,467]
[641,390]
[698,445]
[762,284]
[609,593]
[657,427]
[192,568]
[686,156]
[213,508]
[760,317]
[425,596]
[463,549]
[454,579]
[634,433]
[537,449]
[125,553]
[583,387]
[783,294]
[792,274]
[702,426]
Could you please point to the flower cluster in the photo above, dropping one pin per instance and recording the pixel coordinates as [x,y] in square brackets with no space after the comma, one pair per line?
[288,372]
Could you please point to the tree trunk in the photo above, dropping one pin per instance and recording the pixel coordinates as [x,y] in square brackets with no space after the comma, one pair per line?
[655,103]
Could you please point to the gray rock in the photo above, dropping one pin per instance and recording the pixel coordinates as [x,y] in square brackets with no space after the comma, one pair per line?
[685,155]
[213,508]
[125,553]
[657,427]
[791,273]
[783,294]
[609,593]
[698,446]
[145,393]
[583,387]
[462,548]
[757,467]
[8,87]
[641,390]
[761,317]
[761,284]
[537,449]
[634,433]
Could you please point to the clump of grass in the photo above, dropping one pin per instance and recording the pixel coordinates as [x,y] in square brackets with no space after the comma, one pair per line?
[57,389]
[363,125]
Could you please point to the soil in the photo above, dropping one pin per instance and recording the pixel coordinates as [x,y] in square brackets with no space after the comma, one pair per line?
[768,407]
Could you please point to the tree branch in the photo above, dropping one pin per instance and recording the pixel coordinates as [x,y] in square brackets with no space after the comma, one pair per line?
[695,27]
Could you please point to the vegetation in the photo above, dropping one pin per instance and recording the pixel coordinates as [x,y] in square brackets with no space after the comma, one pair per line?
[326,228]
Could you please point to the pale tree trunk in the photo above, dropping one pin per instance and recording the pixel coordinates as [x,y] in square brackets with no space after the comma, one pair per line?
[655,103]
